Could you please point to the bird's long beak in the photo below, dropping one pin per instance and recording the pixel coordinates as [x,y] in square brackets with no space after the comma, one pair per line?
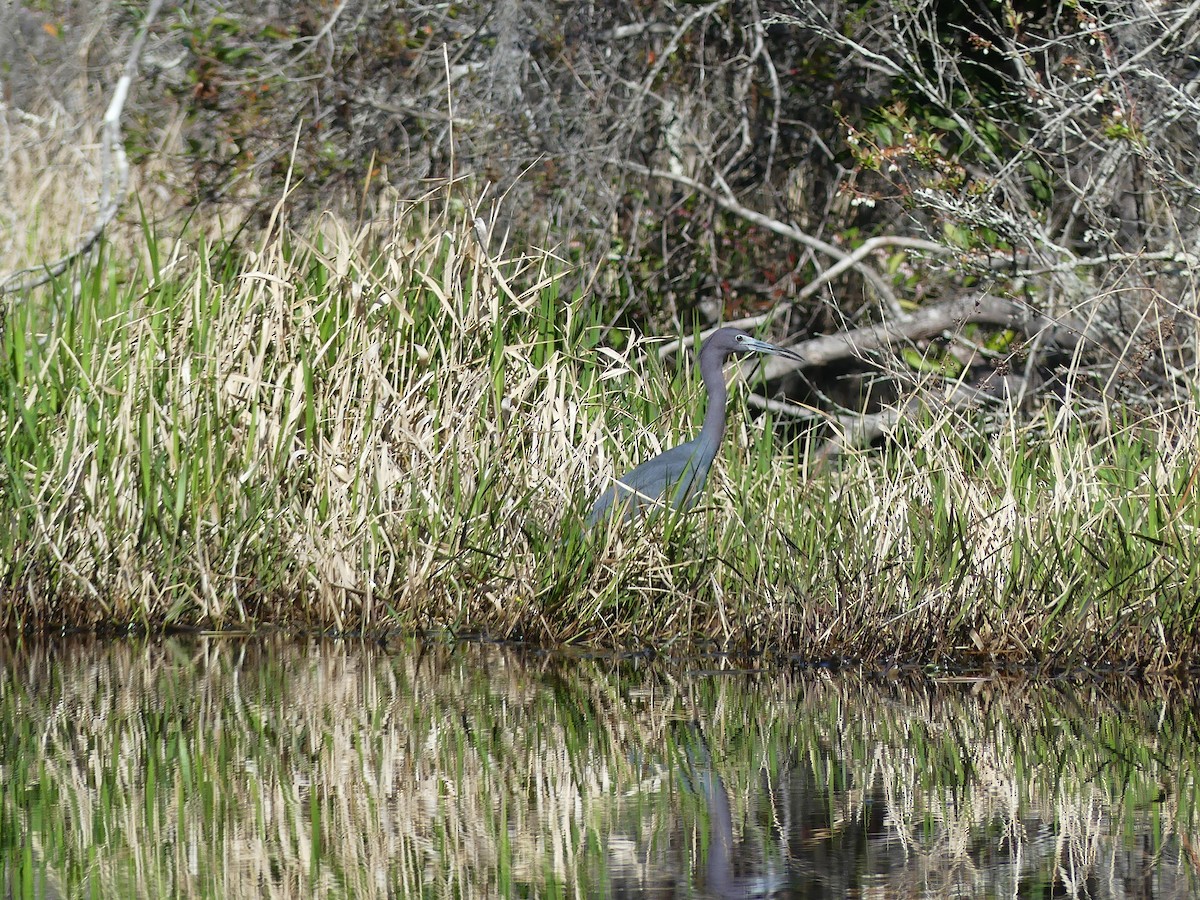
[765,347]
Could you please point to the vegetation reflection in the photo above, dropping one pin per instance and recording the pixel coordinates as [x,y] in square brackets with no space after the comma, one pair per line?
[257,767]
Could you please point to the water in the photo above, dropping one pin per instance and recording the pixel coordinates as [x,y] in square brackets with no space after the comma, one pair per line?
[255,767]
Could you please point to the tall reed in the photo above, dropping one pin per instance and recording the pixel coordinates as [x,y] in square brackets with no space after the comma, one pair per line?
[398,428]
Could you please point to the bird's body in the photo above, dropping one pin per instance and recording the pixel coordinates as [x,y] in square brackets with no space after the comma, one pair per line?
[675,479]
[685,467]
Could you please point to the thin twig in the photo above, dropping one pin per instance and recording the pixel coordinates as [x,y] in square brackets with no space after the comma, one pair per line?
[728,202]
[114,175]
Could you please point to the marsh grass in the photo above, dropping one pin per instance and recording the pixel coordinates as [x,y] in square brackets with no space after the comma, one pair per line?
[398,429]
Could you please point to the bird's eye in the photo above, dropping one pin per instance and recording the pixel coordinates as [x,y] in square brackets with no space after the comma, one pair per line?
[741,339]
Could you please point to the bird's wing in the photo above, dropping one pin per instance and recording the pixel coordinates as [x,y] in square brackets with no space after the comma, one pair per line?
[671,473]
[656,476]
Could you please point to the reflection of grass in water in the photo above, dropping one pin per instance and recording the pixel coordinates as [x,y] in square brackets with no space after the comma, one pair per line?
[247,768]
[392,430]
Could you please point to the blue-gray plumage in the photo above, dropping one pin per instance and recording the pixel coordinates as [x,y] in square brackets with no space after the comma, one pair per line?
[676,478]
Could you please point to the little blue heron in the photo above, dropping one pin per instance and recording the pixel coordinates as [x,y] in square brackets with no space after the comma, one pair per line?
[683,470]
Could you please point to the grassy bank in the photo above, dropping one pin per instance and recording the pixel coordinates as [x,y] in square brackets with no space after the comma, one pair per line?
[399,431]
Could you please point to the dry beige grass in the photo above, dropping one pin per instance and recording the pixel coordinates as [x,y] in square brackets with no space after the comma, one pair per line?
[394,428]
[49,186]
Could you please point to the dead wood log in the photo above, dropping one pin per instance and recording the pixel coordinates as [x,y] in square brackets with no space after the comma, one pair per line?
[931,321]
[1004,388]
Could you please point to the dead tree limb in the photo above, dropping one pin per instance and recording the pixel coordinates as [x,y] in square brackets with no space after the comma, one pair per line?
[114,174]
[851,429]
[928,322]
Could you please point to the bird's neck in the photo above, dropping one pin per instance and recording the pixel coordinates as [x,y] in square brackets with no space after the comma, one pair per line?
[714,415]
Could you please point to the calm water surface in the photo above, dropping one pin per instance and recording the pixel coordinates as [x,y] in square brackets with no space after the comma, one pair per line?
[252,767]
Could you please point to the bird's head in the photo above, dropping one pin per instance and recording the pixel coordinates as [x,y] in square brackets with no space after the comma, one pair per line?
[735,342]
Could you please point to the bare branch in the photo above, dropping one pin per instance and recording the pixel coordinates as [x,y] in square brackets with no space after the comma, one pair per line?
[926,323]
[114,173]
[845,260]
